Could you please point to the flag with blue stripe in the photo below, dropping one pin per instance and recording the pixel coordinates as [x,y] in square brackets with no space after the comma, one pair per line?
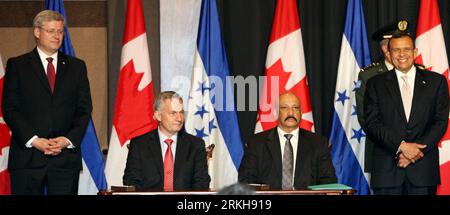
[92,178]
[347,137]
[211,113]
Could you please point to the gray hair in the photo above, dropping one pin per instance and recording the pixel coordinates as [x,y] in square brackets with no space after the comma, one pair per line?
[384,42]
[47,16]
[163,96]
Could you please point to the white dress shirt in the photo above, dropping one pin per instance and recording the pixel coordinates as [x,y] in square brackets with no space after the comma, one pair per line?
[411,79]
[294,143]
[163,137]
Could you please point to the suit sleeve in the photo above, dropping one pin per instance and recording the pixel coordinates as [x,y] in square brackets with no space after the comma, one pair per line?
[373,124]
[248,170]
[84,109]
[11,106]
[439,123]
[133,171]
[201,177]
[326,173]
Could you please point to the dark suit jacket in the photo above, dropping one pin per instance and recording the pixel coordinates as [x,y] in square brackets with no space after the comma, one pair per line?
[386,124]
[262,161]
[145,167]
[30,108]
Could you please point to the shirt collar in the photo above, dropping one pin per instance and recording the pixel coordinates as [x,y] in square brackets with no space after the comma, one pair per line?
[163,137]
[411,73]
[281,133]
[44,56]
[389,66]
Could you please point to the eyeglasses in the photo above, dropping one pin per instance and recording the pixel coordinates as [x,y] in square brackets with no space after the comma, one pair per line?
[53,31]
[399,50]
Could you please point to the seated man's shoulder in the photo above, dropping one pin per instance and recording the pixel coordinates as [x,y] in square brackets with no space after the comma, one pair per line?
[262,135]
[313,137]
[191,138]
[141,140]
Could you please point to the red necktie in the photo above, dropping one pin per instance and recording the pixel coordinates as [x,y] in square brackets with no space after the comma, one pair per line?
[51,73]
[168,167]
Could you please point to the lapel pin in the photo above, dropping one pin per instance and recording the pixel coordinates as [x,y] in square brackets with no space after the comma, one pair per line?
[424,82]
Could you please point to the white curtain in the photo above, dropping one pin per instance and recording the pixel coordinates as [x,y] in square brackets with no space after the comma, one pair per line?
[179,26]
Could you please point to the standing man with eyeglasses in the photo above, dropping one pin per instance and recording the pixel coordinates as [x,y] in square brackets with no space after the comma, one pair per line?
[382,35]
[406,112]
[47,104]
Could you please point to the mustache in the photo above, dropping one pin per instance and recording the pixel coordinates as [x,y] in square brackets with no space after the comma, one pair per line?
[290,117]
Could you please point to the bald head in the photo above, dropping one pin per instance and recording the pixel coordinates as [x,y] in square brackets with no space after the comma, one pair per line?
[289,112]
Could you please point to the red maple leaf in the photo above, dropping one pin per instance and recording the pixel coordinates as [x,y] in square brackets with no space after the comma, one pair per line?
[300,89]
[133,111]
[419,60]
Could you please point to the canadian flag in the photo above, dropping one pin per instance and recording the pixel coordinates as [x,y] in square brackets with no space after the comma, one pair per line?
[431,46]
[285,68]
[5,138]
[133,110]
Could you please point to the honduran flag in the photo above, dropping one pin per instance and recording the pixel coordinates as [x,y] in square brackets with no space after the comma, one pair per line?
[347,137]
[92,177]
[211,113]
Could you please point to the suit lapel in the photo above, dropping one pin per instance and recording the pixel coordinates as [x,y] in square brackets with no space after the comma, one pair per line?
[303,152]
[155,148]
[60,71]
[273,143]
[419,92]
[38,69]
[393,87]
[180,157]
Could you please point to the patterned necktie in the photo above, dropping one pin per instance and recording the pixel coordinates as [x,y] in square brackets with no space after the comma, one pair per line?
[51,73]
[288,163]
[406,96]
[168,167]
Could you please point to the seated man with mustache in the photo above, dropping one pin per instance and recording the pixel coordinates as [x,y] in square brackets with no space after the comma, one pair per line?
[287,157]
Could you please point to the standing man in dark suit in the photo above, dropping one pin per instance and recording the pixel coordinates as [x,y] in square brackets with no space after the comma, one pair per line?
[406,111]
[287,157]
[382,35]
[167,158]
[47,105]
